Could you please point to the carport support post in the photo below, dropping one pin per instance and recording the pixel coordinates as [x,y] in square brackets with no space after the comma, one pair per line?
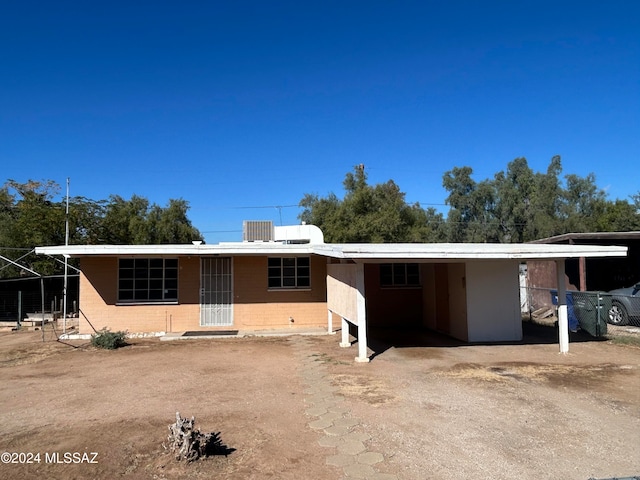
[563,319]
[361,310]
[344,339]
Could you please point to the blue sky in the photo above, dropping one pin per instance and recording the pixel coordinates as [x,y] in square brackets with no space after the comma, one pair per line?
[242,107]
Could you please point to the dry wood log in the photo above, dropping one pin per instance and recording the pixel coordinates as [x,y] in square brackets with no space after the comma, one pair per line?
[188,443]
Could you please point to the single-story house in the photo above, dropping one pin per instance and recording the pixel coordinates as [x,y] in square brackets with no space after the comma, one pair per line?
[287,277]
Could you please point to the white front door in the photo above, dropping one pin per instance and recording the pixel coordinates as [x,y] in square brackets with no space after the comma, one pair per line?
[216,292]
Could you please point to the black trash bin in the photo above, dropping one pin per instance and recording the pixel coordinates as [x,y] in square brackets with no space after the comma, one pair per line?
[586,310]
[592,310]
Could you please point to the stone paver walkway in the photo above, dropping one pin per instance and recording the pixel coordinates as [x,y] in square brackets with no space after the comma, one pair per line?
[329,415]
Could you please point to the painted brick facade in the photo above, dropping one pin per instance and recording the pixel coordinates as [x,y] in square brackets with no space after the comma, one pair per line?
[256,307]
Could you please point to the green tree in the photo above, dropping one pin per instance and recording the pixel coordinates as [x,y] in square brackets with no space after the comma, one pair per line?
[545,202]
[429,226]
[137,222]
[29,217]
[7,216]
[471,216]
[125,221]
[519,205]
[514,193]
[173,225]
[618,216]
[582,203]
[85,221]
[367,213]
[516,205]
[323,213]
[461,186]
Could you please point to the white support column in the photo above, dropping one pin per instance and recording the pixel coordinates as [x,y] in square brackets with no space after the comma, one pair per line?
[344,342]
[362,315]
[563,319]
[330,322]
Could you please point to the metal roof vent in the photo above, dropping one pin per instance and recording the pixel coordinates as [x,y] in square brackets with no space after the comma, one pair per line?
[257,231]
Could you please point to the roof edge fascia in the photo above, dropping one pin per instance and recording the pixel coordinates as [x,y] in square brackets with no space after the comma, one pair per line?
[411,251]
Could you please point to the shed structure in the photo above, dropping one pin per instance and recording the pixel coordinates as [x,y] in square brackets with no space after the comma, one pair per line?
[591,274]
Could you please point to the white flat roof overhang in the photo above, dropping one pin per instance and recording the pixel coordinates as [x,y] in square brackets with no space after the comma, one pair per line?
[372,252]
[465,251]
[271,248]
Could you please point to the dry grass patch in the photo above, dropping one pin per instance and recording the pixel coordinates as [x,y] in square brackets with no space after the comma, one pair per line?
[533,372]
[367,389]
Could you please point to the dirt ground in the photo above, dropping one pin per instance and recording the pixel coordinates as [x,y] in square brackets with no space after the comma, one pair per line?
[435,408]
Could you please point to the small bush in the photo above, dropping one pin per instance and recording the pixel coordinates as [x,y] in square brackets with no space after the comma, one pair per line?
[109,340]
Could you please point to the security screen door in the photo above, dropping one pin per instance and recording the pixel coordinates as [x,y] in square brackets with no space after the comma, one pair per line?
[216,295]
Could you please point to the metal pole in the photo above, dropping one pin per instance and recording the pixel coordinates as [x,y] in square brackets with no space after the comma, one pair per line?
[19,308]
[42,298]
[563,319]
[66,261]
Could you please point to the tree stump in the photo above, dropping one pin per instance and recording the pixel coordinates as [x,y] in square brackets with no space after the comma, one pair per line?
[188,443]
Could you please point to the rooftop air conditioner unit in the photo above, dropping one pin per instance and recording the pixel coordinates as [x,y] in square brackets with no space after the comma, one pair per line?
[257,231]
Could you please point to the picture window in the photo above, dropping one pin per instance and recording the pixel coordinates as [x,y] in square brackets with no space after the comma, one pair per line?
[147,280]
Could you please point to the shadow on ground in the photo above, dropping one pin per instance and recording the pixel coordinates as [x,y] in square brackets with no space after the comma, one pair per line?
[382,339]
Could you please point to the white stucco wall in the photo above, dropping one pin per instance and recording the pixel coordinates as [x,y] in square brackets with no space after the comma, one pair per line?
[493,301]
[342,291]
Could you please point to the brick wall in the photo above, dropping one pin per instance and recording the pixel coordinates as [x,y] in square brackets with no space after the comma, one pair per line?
[255,306]
[98,297]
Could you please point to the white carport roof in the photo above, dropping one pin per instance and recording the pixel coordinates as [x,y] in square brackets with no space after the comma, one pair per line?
[353,251]
[464,251]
